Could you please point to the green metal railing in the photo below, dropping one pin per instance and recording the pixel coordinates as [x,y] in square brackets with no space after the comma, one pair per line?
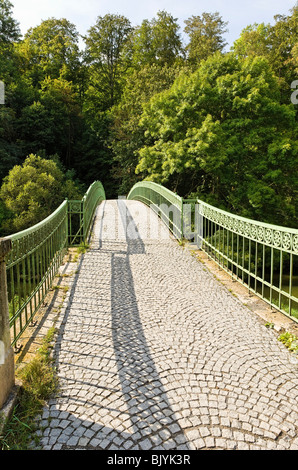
[31,265]
[93,196]
[37,253]
[80,213]
[167,205]
[263,257]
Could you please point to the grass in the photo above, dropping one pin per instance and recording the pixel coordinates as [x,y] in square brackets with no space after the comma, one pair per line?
[83,247]
[38,383]
[290,341]
[63,288]
[14,304]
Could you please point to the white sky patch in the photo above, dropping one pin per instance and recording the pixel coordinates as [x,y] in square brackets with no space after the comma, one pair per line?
[83,14]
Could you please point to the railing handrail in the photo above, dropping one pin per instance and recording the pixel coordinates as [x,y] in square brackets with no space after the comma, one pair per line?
[248,220]
[92,186]
[37,252]
[38,225]
[158,187]
[251,250]
[158,204]
[273,236]
[98,188]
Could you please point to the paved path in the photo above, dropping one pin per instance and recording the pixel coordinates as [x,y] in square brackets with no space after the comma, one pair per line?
[154,353]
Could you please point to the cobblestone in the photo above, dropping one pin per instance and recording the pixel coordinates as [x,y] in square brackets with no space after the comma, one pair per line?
[154,353]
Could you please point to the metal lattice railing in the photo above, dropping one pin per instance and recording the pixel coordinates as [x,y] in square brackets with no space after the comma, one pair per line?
[37,253]
[93,196]
[81,213]
[263,257]
[31,265]
[168,205]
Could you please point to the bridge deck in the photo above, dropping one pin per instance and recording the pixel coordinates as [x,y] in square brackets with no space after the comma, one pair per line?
[154,353]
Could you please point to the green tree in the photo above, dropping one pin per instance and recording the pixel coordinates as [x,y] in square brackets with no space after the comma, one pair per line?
[9,34]
[166,38]
[254,41]
[223,134]
[9,27]
[284,39]
[106,58]
[126,134]
[94,157]
[10,153]
[205,36]
[52,122]
[33,190]
[278,43]
[51,50]
[157,41]
[141,45]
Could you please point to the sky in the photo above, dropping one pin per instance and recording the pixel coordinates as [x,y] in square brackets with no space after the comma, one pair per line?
[83,13]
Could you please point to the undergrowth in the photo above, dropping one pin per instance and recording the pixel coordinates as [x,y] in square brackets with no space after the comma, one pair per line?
[290,341]
[39,381]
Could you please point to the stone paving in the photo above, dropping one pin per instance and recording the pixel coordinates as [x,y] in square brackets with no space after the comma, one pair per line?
[154,353]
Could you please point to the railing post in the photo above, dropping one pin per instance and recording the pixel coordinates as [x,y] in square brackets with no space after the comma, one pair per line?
[67,223]
[84,219]
[199,224]
[7,368]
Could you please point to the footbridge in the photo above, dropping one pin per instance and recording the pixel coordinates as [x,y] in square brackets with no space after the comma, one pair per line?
[152,352]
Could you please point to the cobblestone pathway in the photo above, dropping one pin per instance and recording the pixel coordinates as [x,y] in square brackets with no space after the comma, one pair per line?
[154,353]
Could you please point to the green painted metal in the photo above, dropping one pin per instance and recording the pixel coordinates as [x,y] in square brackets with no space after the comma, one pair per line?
[37,254]
[75,222]
[92,198]
[167,204]
[81,213]
[261,256]
[31,265]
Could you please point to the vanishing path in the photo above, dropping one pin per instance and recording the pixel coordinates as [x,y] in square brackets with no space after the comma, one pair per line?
[154,353]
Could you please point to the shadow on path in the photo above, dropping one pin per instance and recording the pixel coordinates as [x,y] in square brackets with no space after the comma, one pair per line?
[77,420]
[148,405]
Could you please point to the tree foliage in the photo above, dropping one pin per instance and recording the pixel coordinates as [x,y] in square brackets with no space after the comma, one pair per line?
[9,36]
[278,43]
[156,42]
[105,54]
[33,190]
[127,136]
[205,36]
[225,125]
[137,102]
[51,50]
[9,27]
